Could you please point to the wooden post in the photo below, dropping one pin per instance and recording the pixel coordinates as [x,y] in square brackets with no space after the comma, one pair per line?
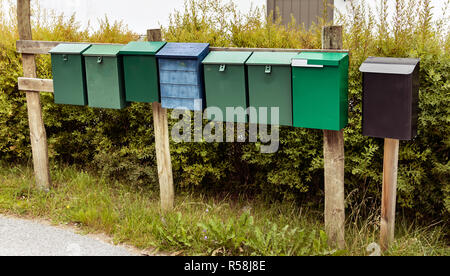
[389,194]
[163,159]
[333,147]
[35,119]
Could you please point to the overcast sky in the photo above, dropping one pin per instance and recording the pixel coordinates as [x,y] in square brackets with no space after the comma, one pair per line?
[141,15]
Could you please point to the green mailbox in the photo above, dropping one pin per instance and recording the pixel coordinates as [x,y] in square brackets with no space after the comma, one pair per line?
[69,77]
[140,71]
[104,76]
[270,85]
[226,82]
[320,90]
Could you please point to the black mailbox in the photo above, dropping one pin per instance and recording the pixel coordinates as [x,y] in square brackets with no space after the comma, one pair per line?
[390,97]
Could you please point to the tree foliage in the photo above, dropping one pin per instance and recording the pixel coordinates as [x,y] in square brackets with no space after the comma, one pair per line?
[121,143]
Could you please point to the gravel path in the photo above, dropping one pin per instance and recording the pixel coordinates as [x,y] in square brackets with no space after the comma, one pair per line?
[20,237]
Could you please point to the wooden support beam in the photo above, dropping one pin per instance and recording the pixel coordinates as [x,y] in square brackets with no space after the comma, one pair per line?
[161,126]
[232,49]
[43,47]
[37,129]
[333,147]
[389,194]
[35,85]
[37,47]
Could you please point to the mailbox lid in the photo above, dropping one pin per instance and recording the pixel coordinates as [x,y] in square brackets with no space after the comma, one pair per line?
[70,48]
[224,57]
[184,50]
[383,65]
[103,50]
[143,48]
[271,58]
[319,58]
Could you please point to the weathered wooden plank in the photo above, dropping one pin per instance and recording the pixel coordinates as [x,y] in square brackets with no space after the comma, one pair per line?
[334,156]
[154,35]
[37,130]
[43,47]
[163,159]
[389,193]
[35,85]
[276,50]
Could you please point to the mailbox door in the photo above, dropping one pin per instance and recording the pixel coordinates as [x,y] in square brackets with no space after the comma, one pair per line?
[141,79]
[226,87]
[387,111]
[69,79]
[181,83]
[319,98]
[272,89]
[104,82]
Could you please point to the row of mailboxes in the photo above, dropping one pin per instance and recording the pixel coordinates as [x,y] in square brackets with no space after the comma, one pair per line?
[293,82]
[309,88]
[109,76]
[178,73]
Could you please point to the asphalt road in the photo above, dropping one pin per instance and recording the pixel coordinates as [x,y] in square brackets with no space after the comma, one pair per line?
[20,237]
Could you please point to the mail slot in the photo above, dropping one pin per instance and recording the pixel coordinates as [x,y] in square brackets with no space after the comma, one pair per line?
[320,90]
[141,71]
[181,75]
[270,85]
[226,83]
[390,97]
[104,77]
[69,76]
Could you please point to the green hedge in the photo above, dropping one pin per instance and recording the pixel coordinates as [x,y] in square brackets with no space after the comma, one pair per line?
[120,144]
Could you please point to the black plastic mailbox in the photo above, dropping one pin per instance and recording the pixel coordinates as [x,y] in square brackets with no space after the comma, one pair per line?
[390,97]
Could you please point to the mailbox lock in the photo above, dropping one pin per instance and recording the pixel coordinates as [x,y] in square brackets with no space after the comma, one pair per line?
[100,60]
[222,68]
[65,57]
[268,69]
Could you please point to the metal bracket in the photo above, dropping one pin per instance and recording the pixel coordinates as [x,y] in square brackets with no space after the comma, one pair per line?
[222,68]
[268,69]
[99,60]
[65,57]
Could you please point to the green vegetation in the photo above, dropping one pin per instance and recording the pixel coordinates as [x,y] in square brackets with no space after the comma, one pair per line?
[119,145]
[199,225]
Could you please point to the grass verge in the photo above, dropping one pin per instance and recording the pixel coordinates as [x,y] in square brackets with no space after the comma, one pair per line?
[198,225]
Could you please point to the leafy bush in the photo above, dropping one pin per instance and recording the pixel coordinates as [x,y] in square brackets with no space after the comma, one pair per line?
[121,143]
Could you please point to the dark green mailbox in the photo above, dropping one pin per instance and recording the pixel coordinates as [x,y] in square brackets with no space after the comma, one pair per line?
[226,82]
[270,84]
[141,71]
[320,90]
[69,77]
[104,76]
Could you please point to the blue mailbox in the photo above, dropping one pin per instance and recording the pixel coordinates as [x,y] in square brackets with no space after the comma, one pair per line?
[181,75]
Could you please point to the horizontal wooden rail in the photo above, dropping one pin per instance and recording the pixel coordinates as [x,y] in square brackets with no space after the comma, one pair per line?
[232,49]
[35,85]
[43,47]
[37,47]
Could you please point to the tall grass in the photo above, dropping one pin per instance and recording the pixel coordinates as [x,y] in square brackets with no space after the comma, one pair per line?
[199,225]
